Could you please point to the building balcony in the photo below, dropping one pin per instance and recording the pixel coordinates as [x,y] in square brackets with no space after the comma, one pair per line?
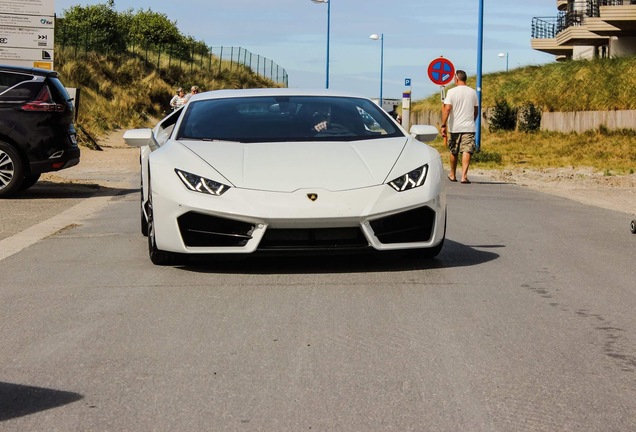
[580,35]
[551,46]
[544,31]
[621,16]
[602,28]
[597,24]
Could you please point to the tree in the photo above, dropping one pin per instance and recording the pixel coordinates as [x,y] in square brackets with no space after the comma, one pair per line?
[96,28]
[150,28]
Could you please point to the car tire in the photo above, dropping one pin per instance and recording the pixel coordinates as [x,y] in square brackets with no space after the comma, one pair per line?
[11,170]
[29,180]
[633,226]
[157,256]
[144,224]
[144,221]
[430,253]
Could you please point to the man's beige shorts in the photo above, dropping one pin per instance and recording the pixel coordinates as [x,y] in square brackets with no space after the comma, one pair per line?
[462,142]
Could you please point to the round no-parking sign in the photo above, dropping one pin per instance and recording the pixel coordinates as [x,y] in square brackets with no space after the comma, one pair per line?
[441,71]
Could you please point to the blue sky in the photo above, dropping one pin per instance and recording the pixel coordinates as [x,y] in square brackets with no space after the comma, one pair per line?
[292,33]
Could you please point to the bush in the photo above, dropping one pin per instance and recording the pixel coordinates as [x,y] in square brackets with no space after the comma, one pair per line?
[530,120]
[504,117]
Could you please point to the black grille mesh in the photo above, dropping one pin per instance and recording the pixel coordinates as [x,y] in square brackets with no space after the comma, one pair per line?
[408,227]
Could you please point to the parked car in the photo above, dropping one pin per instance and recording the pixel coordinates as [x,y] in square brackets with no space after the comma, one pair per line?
[240,171]
[37,133]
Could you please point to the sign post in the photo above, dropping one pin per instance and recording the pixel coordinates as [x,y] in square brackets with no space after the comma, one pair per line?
[406,104]
[441,71]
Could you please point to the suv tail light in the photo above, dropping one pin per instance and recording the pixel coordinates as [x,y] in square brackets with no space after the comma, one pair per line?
[43,102]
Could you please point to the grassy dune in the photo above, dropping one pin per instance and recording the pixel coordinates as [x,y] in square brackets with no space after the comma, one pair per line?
[127,91]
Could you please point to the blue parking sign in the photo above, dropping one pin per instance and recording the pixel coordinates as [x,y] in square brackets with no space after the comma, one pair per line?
[407,82]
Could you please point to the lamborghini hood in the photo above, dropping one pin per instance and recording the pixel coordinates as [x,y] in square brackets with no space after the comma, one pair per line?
[289,166]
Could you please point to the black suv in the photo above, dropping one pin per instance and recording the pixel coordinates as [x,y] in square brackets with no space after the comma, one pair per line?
[37,134]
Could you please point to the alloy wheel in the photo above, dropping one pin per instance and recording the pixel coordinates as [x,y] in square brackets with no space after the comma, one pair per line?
[10,169]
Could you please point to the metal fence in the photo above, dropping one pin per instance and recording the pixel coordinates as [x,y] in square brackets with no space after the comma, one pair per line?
[214,59]
[575,15]
[544,27]
[257,63]
[594,7]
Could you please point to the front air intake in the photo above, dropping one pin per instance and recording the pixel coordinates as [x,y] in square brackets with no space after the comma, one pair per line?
[313,239]
[200,230]
[408,227]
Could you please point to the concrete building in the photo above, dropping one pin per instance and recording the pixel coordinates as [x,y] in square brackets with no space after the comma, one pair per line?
[587,29]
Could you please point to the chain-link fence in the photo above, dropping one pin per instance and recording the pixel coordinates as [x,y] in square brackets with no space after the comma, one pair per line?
[259,64]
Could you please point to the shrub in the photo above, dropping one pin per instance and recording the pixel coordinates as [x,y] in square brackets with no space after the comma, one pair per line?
[504,117]
[530,120]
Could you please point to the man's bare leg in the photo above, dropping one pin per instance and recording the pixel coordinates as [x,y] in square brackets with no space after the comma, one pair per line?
[465,165]
[453,167]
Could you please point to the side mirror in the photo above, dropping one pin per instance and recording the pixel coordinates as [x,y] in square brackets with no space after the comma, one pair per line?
[140,138]
[424,133]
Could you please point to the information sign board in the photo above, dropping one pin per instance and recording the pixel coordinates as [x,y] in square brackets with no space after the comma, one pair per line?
[26,20]
[28,54]
[26,37]
[27,32]
[28,7]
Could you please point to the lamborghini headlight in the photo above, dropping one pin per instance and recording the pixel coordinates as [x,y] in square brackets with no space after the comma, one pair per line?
[410,180]
[201,184]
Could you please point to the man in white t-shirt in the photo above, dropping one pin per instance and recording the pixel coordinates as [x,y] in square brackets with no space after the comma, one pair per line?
[460,111]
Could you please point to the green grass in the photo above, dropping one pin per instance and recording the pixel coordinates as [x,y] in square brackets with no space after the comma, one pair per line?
[605,151]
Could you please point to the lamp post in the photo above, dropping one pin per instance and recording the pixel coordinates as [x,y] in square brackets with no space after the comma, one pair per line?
[502,55]
[381,39]
[328,31]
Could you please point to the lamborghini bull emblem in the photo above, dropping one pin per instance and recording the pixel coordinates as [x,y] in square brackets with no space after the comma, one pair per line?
[312,196]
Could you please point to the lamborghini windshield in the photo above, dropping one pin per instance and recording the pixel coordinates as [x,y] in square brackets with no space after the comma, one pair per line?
[286,118]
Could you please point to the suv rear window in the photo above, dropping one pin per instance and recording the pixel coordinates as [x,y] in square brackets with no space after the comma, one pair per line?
[9,79]
[16,86]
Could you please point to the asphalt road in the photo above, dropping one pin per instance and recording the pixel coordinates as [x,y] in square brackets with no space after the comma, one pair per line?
[525,322]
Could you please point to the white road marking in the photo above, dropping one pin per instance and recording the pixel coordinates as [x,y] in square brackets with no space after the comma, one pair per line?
[76,214]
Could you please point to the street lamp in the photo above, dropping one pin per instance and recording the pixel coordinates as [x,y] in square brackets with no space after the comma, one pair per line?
[502,55]
[381,39]
[328,31]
